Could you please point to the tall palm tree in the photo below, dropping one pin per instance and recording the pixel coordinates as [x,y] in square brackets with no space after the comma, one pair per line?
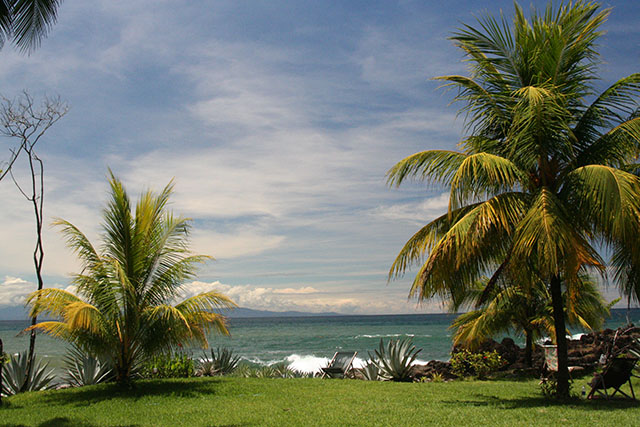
[27,22]
[526,308]
[123,308]
[542,178]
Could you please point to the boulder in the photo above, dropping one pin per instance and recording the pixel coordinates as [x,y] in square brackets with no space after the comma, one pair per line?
[584,352]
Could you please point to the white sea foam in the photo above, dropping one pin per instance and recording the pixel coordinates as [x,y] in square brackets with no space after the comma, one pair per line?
[390,336]
[576,337]
[310,363]
[306,363]
[261,362]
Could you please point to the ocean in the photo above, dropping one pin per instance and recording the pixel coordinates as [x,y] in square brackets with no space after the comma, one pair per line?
[307,343]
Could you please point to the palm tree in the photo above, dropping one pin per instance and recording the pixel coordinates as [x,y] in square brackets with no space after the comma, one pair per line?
[27,22]
[526,308]
[123,309]
[541,179]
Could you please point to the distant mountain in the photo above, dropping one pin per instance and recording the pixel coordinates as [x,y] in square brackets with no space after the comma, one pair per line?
[20,313]
[242,312]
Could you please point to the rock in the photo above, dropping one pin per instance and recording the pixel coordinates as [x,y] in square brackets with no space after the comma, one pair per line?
[584,352]
[434,367]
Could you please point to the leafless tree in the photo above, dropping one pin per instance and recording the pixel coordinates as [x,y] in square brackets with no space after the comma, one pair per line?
[26,123]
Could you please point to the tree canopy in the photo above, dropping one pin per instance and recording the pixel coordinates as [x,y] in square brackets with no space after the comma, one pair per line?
[543,178]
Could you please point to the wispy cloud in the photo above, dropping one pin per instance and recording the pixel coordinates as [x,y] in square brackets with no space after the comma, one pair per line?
[420,212]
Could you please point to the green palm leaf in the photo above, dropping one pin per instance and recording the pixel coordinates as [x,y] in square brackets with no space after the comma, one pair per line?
[438,166]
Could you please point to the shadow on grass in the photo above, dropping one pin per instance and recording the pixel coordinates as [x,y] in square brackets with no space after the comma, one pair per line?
[84,396]
[62,422]
[541,401]
[68,422]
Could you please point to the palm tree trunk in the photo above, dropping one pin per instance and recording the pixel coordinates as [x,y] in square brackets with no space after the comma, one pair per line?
[528,349]
[562,389]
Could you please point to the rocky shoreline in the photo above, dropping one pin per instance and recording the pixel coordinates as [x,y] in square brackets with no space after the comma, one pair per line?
[584,353]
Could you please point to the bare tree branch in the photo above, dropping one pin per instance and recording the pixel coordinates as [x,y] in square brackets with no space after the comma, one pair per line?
[22,121]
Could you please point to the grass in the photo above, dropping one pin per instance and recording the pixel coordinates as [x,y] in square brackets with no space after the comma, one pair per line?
[255,401]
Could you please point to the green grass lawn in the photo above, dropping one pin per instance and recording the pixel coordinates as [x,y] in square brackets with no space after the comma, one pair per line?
[253,401]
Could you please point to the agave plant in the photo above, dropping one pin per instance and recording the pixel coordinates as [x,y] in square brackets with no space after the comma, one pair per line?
[221,362]
[394,360]
[17,379]
[370,372]
[282,370]
[84,369]
[265,372]
[243,371]
[206,368]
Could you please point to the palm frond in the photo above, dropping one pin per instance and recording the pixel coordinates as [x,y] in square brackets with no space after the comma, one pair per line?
[607,198]
[79,243]
[616,147]
[27,22]
[610,108]
[471,246]
[547,233]
[438,166]
[422,242]
[55,329]
[481,176]
[50,301]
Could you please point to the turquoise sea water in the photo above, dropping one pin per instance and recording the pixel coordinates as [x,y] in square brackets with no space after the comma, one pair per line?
[306,343]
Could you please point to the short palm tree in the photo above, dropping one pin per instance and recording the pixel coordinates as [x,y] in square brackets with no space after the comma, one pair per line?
[123,308]
[542,179]
[526,308]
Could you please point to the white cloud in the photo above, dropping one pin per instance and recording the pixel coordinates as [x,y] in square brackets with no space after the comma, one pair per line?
[307,299]
[14,291]
[417,212]
[289,291]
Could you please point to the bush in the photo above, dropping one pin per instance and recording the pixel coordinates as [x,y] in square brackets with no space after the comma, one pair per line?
[177,365]
[467,364]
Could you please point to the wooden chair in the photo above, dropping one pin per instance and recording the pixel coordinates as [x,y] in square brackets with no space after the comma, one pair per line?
[617,372]
[550,365]
[340,365]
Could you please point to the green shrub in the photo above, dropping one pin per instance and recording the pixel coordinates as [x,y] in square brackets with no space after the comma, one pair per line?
[467,364]
[178,365]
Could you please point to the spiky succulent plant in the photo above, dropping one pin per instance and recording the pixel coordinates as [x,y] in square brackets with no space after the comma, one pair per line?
[16,377]
[395,360]
[84,369]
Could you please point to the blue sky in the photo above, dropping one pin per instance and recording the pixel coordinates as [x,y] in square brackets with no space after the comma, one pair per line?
[278,121]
